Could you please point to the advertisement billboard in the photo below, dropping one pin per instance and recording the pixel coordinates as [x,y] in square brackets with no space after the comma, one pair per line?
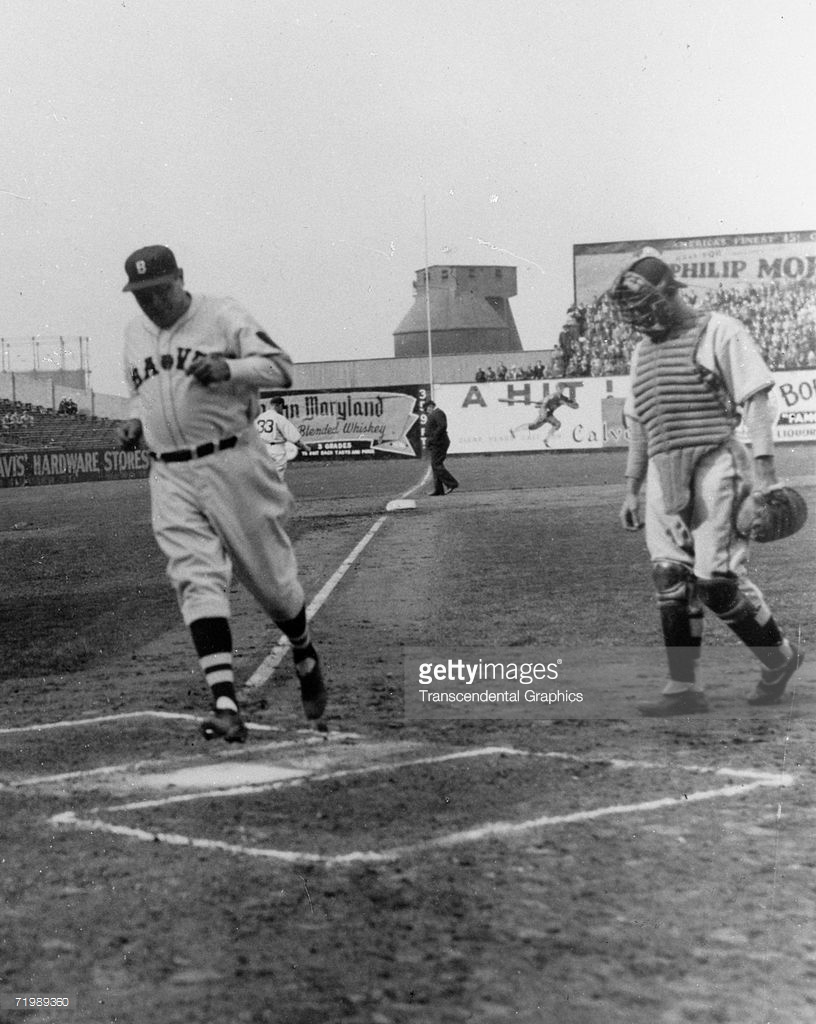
[355,422]
[762,263]
[500,416]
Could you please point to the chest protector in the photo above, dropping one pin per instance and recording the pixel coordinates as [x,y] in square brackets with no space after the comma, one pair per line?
[681,409]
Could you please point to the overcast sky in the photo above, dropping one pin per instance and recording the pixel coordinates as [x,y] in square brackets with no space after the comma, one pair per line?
[285,150]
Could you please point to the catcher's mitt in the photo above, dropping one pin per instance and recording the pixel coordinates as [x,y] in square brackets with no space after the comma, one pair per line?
[771,515]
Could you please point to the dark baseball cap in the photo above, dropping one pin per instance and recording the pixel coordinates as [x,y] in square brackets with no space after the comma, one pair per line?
[154,264]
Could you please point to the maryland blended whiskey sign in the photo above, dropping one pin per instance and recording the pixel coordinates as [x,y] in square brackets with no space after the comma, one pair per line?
[355,422]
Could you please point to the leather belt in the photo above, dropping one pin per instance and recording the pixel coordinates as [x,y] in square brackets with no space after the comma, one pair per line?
[186,454]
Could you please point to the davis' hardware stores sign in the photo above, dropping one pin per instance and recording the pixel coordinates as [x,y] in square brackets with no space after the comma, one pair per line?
[27,469]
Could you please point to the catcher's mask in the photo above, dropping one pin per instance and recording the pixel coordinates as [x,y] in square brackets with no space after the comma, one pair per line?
[641,293]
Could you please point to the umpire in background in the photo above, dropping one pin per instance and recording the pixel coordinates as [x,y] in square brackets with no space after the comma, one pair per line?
[437,442]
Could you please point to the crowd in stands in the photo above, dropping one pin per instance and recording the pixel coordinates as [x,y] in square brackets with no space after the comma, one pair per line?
[594,342]
[537,371]
[782,318]
[14,419]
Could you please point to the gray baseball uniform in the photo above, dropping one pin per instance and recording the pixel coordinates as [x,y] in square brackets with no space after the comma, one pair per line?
[227,509]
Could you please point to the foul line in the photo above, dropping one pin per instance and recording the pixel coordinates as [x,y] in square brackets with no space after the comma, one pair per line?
[266,669]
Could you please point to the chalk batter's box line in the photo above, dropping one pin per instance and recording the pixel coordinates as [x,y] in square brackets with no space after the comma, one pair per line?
[481,833]
[73,723]
[307,737]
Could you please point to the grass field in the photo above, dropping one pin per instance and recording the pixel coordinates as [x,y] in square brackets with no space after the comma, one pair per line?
[474,870]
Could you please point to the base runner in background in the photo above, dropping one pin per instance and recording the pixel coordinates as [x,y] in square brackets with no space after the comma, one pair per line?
[692,375]
[280,435]
[194,364]
[547,415]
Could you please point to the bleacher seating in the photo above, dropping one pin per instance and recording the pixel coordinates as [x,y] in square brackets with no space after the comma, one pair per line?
[47,430]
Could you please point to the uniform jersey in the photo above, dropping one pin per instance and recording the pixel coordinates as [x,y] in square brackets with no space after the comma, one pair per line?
[176,411]
[280,435]
[730,359]
[713,366]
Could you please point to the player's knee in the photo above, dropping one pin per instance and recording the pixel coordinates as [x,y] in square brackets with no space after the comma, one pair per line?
[721,594]
[672,581]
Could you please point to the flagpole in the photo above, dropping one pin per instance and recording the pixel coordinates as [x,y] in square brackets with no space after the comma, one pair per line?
[428,303]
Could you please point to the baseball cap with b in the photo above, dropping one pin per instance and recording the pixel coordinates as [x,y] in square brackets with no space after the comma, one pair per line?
[149,266]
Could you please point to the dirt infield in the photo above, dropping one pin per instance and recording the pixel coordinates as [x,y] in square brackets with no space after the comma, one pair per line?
[596,871]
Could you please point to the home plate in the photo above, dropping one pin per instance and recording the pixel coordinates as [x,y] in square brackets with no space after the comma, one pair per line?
[400,505]
[221,776]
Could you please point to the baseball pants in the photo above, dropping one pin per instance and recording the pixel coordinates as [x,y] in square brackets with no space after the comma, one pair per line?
[221,514]
[704,539]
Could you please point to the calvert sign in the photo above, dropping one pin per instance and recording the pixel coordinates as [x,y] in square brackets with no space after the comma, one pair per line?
[500,416]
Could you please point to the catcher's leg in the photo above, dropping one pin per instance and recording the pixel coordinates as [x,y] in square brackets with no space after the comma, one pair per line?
[681,614]
[720,563]
[681,619]
[740,605]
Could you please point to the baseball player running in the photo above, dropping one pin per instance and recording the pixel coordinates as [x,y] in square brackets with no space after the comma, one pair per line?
[194,364]
[547,414]
[280,435]
[690,375]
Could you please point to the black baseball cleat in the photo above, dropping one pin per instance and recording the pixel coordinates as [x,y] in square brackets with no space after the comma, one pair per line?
[687,702]
[773,681]
[312,688]
[451,487]
[226,725]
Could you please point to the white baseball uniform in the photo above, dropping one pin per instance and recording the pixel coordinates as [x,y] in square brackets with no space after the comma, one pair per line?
[222,508]
[281,437]
[702,535]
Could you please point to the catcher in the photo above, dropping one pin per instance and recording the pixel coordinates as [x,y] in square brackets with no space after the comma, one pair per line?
[692,376]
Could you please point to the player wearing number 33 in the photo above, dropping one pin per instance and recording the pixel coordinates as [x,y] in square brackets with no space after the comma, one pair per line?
[694,375]
[194,365]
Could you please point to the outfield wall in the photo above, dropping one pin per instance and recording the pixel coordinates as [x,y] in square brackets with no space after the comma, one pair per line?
[386,422]
[481,416]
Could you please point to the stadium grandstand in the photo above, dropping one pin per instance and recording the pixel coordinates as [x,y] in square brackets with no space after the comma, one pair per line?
[781,316]
[46,402]
[28,427]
